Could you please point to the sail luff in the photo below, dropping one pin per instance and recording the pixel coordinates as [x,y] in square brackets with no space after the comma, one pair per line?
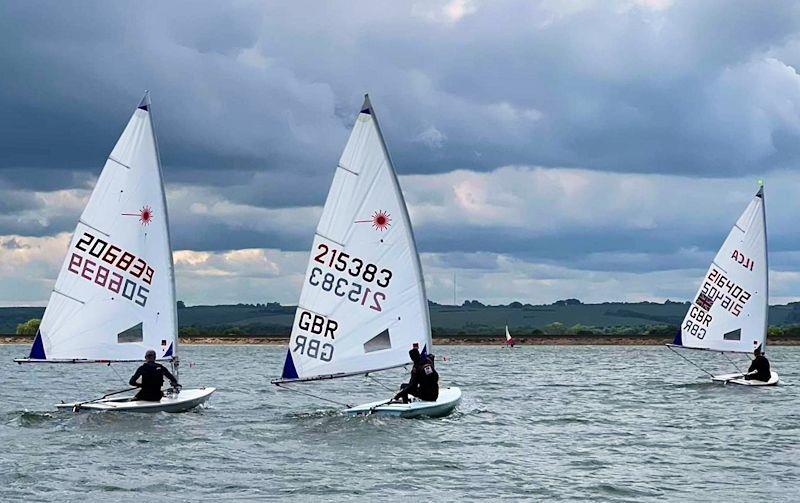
[171,269]
[766,265]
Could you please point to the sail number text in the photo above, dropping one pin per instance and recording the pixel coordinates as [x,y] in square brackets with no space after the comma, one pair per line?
[341,287]
[104,263]
[716,287]
[354,266]
[315,326]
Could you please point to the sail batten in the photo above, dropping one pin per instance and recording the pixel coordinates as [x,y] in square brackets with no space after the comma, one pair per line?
[118,269]
[363,300]
[729,310]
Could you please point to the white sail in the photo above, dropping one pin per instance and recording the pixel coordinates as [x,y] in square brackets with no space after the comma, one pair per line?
[114,297]
[363,301]
[729,312]
[508,335]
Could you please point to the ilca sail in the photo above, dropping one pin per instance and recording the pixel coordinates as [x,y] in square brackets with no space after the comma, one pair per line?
[729,311]
[363,301]
[115,296]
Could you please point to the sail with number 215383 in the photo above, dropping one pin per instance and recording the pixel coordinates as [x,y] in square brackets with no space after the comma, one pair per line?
[363,301]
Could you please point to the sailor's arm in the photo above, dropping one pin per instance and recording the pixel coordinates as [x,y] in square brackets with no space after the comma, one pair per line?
[411,383]
[136,376]
[172,380]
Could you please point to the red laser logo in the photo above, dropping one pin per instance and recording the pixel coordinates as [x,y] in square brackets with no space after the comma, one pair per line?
[381,220]
[145,215]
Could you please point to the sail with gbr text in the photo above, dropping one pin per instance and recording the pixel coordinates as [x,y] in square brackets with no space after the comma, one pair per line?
[729,311]
[114,297]
[363,302]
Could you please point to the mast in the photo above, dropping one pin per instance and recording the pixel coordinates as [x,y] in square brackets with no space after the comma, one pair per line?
[766,263]
[145,105]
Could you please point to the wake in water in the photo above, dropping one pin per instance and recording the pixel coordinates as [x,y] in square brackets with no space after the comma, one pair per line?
[29,419]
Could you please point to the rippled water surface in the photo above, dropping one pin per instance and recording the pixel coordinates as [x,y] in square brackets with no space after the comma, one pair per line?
[538,423]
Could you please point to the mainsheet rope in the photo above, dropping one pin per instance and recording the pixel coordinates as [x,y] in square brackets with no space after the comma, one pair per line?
[118,375]
[369,376]
[690,361]
[733,362]
[280,385]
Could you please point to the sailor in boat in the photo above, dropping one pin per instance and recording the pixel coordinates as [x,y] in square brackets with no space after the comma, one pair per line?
[759,369]
[424,382]
[152,375]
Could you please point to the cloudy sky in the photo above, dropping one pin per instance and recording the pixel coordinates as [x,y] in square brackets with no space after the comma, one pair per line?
[566,148]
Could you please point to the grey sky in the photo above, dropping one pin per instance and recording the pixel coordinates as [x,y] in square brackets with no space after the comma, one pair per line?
[569,139]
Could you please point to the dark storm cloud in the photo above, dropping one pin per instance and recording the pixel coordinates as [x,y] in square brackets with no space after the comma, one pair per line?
[252,87]
[253,103]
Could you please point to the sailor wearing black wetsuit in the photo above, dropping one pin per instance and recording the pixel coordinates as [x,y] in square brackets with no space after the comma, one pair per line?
[152,375]
[759,369]
[424,383]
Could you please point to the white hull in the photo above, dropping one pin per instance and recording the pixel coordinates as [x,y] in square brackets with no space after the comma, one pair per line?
[448,399]
[185,400]
[739,379]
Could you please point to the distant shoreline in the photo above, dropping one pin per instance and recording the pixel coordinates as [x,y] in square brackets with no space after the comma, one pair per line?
[449,340]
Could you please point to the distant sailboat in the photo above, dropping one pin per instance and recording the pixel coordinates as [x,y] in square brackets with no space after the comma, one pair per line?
[509,339]
[115,295]
[729,311]
[363,302]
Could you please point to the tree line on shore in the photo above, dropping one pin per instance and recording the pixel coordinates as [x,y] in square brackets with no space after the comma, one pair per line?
[30,327]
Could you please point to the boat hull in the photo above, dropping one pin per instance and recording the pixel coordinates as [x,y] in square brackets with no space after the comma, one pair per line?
[187,399]
[448,400]
[740,380]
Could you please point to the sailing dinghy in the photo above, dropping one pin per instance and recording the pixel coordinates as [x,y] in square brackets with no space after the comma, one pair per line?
[729,312]
[509,339]
[115,294]
[363,301]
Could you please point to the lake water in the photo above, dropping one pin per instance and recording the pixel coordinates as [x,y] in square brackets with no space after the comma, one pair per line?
[539,423]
